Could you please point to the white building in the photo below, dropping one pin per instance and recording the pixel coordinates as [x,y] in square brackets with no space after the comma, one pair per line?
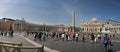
[93,26]
[112,26]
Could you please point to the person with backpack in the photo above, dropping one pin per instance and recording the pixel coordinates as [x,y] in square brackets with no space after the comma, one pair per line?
[106,42]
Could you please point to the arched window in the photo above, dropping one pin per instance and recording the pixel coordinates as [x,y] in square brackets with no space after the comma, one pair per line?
[100,29]
[83,29]
[108,23]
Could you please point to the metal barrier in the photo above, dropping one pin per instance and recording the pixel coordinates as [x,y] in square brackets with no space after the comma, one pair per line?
[11,43]
[16,47]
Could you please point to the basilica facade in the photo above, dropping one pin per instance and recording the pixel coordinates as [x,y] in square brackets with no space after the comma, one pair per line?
[93,26]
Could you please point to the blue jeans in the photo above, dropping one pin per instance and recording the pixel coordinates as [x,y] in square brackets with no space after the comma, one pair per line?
[106,46]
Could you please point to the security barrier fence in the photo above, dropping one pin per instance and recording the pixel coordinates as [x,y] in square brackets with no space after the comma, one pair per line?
[16,47]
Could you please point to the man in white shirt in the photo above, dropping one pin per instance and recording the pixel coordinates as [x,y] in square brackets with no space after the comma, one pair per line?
[63,36]
[76,35]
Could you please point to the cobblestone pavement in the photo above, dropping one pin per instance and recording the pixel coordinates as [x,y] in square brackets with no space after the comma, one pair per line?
[72,46]
[66,46]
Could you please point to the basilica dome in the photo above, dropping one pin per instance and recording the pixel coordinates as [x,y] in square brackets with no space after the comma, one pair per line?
[94,19]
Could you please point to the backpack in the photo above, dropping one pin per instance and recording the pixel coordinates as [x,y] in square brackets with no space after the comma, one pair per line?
[106,40]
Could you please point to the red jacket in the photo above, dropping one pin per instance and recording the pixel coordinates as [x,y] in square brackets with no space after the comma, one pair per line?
[110,40]
[68,35]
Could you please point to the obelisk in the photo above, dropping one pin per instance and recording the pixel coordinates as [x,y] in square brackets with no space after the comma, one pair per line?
[73,22]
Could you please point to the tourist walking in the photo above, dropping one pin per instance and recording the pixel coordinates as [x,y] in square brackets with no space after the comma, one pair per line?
[27,33]
[2,33]
[53,35]
[95,40]
[11,33]
[5,33]
[92,38]
[46,33]
[99,36]
[106,42]
[76,36]
[36,36]
[60,36]
[57,35]
[43,36]
[68,36]
[83,38]
[40,36]
[73,36]
[63,36]
[110,40]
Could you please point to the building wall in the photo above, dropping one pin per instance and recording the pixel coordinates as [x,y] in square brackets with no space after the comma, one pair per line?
[1,25]
[22,25]
[7,25]
[26,26]
[112,26]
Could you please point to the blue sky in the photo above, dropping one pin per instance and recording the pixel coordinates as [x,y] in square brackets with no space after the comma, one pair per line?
[60,11]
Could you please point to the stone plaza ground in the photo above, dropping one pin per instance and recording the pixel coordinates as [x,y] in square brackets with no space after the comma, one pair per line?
[60,46]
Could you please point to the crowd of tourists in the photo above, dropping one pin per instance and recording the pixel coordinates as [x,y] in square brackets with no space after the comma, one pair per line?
[8,33]
[67,36]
